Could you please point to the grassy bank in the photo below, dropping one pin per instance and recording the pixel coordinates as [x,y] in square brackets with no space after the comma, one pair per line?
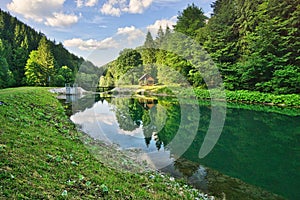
[251,97]
[42,157]
[243,96]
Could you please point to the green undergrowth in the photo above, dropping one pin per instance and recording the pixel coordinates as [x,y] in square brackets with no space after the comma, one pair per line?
[42,157]
[243,96]
[291,100]
[288,104]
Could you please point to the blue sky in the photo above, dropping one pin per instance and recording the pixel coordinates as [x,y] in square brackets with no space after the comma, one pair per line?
[98,29]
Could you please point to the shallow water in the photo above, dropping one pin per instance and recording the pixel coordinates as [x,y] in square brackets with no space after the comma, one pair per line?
[259,148]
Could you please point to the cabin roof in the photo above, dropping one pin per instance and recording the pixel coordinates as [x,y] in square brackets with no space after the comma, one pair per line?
[145,76]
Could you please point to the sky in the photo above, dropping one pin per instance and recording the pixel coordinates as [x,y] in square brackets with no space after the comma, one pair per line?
[98,30]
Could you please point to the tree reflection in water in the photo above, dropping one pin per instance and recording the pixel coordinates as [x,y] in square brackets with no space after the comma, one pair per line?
[258,147]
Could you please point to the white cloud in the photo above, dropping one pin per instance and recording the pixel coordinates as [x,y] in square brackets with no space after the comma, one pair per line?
[91,44]
[88,3]
[131,33]
[91,3]
[99,20]
[166,1]
[138,6]
[79,3]
[117,7]
[35,9]
[47,11]
[153,28]
[126,30]
[109,9]
[61,20]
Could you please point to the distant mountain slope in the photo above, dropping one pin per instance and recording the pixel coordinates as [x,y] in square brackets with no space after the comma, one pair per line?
[18,40]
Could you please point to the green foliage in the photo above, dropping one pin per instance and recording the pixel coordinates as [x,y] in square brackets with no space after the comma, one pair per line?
[6,76]
[20,56]
[88,76]
[160,37]
[190,20]
[106,81]
[124,116]
[124,70]
[43,157]
[163,90]
[17,41]
[255,44]
[286,80]
[64,75]
[39,69]
[87,81]
[32,69]
[128,59]
[291,100]
[222,36]
[148,51]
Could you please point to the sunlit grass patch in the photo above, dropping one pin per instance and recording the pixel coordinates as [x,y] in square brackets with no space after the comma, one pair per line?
[42,157]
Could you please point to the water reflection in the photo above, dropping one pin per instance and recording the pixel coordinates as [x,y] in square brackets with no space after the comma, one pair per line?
[257,147]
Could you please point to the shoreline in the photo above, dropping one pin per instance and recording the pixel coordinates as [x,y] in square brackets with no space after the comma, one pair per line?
[238,96]
[235,183]
[44,157]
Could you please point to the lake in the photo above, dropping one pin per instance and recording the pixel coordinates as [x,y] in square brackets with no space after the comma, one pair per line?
[255,157]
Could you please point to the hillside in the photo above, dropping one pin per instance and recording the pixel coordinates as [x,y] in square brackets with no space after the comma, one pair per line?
[22,50]
[253,43]
[43,156]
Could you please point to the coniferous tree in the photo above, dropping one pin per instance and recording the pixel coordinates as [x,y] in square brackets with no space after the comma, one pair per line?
[160,37]
[167,32]
[254,43]
[19,40]
[190,20]
[149,50]
[33,70]
[46,61]
[40,65]
[6,76]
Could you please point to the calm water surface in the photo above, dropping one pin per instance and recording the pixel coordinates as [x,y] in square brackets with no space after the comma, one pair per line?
[260,148]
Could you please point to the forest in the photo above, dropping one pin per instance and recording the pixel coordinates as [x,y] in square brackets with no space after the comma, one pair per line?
[255,45]
[27,57]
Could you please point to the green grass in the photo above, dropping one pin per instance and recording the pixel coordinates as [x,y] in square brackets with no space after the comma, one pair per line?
[291,100]
[243,96]
[42,157]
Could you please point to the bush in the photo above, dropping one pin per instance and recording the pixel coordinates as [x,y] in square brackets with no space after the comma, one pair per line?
[246,96]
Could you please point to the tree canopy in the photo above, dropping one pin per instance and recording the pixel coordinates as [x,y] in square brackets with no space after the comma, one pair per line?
[254,43]
[190,20]
[27,57]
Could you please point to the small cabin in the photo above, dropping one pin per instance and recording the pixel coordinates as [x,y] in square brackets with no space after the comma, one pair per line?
[146,79]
